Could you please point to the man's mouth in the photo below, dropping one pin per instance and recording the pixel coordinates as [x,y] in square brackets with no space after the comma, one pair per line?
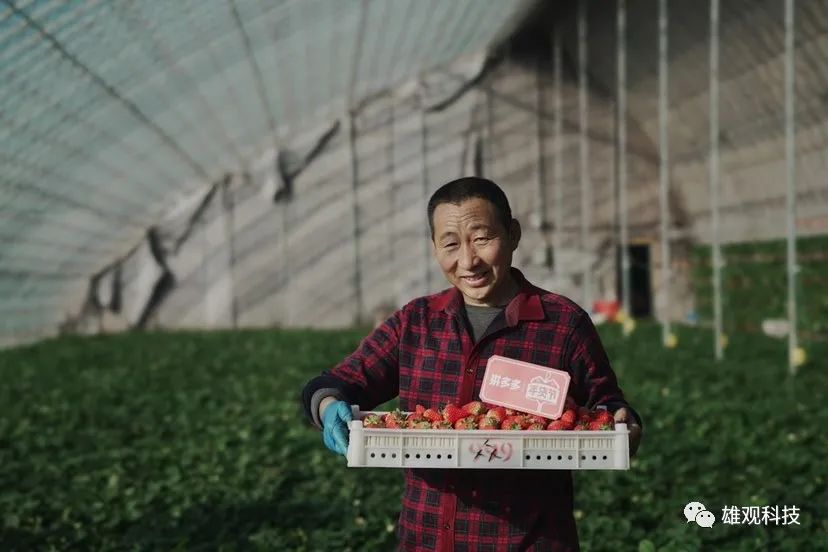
[476,279]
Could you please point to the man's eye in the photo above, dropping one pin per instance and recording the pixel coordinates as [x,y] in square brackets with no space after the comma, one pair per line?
[449,245]
[481,240]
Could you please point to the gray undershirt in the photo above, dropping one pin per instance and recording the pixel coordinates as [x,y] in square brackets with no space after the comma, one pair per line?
[480,318]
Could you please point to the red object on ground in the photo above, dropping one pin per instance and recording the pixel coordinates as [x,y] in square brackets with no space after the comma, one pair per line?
[608,308]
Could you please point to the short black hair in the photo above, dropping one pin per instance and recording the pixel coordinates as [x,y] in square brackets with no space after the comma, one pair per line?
[468,187]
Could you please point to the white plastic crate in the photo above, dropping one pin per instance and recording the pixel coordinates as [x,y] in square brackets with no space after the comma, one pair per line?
[487,449]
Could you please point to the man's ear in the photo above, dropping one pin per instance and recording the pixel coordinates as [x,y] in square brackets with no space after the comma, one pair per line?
[514,233]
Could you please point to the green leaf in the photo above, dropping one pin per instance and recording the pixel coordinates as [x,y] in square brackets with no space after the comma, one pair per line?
[646,546]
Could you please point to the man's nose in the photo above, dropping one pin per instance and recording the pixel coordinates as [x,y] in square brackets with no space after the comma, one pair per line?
[468,257]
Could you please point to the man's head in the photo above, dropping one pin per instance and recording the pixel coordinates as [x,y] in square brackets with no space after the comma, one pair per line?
[474,235]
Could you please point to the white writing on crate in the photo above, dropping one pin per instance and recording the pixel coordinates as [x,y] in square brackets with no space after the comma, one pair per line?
[504,382]
[760,515]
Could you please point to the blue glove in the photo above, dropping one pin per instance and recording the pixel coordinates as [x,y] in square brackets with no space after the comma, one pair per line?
[335,426]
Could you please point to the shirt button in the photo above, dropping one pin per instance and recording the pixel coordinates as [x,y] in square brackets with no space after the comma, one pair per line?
[469,370]
[447,526]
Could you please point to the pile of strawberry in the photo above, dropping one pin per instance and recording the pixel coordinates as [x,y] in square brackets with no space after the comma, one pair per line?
[477,415]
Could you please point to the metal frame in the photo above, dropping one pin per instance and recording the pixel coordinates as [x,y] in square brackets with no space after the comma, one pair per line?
[790,156]
[664,165]
[716,257]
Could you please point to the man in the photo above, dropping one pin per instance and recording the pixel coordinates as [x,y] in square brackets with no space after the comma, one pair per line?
[434,351]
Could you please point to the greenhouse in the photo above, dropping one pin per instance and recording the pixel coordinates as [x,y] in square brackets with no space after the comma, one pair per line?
[203,205]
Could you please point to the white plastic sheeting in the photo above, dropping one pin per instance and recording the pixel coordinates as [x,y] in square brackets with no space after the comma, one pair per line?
[85,180]
[110,111]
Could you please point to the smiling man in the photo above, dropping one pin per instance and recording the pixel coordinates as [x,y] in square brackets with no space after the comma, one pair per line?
[474,244]
[434,350]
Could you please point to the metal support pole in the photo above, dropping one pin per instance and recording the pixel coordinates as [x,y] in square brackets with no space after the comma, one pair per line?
[623,223]
[539,214]
[664,167]
[557,236]
[790,155]
[391,221]
[352,142]
[425,186]
[714,178]
[357,275]
[228,205]
[490,135]
[586,184]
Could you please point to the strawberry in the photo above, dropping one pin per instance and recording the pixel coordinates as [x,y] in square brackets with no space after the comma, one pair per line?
[442,424]
[570,403]
[420,423]
[488,422]
[512,422]
[584,414]
[373,421]
[569,417]
[535,419]
[510,412]
[595,425]
[419,409]
[469,422]
[413,419]
[474,408]
[394,423]
[581,426]
[432,415]
[603,416]
[497,413]
[558,425]
[394,418]
[569,425]
[452,413]
[536,426]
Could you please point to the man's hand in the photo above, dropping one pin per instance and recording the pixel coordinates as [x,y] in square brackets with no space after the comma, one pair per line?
[623,416]
[335,418]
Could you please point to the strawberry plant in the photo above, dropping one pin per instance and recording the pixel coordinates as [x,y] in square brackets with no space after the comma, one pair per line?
[160,441]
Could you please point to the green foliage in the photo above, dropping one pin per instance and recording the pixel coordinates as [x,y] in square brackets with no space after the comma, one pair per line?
[195,441]
[755,284]
[735,433]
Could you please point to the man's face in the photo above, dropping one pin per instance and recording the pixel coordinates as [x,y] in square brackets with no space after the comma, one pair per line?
[475,250]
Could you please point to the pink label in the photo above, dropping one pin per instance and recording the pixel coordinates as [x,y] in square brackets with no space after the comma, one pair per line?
[525,386]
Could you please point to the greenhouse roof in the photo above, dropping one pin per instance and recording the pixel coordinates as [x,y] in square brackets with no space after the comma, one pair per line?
[108,109]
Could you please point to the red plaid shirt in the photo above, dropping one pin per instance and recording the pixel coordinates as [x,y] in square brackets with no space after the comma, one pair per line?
[426,354]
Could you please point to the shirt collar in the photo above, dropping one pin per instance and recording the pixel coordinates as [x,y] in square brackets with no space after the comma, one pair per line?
[526,305]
